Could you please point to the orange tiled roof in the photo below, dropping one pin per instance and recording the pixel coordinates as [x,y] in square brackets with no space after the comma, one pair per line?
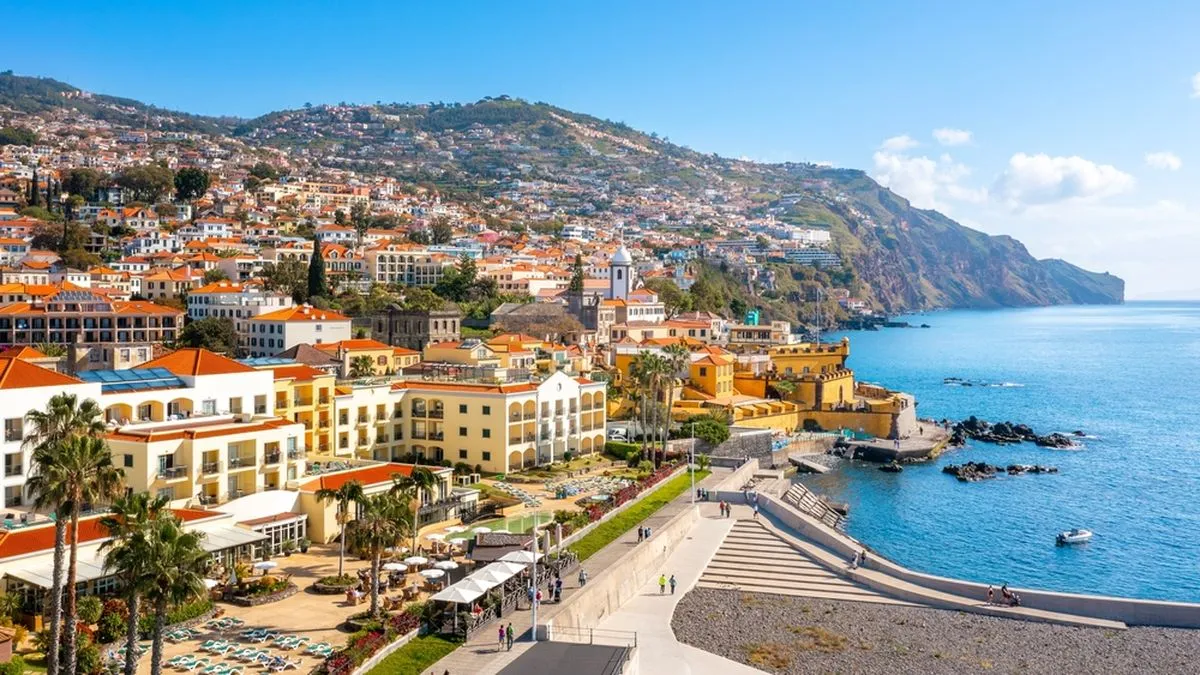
[196,361]
[351,345]
[367,475]
[41,538]
[299,372]
[18,374]
[25,353]
[301,313]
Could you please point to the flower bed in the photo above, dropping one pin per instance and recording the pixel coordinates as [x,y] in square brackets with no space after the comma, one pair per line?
[334,585]
[262,597]
[364,644]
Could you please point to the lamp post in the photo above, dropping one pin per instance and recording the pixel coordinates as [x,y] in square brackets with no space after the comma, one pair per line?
[692,464]
[533,629]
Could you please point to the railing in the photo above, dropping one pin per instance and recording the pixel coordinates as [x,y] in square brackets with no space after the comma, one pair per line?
[12,435]
[240,462]
[514,441]
[594,636]
[437,435]
[419,412]
[271,458]
[437,413]
[210,467]
[806,501]
[172,472]
[362,420]
[324,424]
[514,418]
[297,454]
[418,435]
[282,403]
[301,402]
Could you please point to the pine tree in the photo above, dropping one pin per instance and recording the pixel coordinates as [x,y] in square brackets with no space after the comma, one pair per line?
[33,189]
[316,273]
[576,285]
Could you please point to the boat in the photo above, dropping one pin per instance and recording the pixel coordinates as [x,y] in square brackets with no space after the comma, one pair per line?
[1074,536]
[892,467]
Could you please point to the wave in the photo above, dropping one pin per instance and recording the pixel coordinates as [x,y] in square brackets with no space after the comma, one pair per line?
[959,382]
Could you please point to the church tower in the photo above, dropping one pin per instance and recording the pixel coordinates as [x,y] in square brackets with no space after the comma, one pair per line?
[621,277]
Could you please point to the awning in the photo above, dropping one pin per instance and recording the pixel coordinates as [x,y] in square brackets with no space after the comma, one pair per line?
[457,595]
[37,570]
[220,537]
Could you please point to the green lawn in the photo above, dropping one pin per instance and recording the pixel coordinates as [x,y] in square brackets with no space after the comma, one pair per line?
[414,657]
[608,531]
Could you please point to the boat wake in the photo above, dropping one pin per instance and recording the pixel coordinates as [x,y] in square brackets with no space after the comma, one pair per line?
[960,382]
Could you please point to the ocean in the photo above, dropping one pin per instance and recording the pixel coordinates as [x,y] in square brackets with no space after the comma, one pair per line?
[1126,375]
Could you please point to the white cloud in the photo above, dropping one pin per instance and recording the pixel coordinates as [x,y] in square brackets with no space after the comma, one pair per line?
[926,182]
[899,143]
[1196,85]
[1042,179]
[1168,161]
[947,136]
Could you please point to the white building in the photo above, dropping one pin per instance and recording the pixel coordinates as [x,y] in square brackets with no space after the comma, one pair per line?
[237,302]
[283,329]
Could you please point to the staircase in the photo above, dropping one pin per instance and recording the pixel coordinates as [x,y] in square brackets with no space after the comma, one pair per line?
[754,559]
[806,501]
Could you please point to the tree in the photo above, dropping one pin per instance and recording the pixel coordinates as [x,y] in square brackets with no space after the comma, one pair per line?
[216,334]
[577,276]
[17,136]
[419,237]
[82,182]
[191,183]
[350,492]
[33,188]
[288,276]
[458,283]
[127,553]
[90,477]
[706,428]
[360,219]
[79,259]
[50,430]
[440,231]
[339,217]
[317,286]
[177,561]
[408,489]
[379,526]
[673,299]
[418,299]
[362,366]
[214,275]
[264,171]
[676,358]
[147,182]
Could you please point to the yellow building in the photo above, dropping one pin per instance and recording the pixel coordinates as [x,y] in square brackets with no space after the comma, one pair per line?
[304,394]
[213,460]
[470,352]
[385,360]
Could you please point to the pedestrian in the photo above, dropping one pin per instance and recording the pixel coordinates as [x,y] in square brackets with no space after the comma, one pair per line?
[529,592]
[863,559]
[991,594]
[854,561]
[558,589]
[662,584]
[500,643]
[647,532]
[640,537]
[537,599]
[672,584]
[508,633]
[756,511]
[582,577]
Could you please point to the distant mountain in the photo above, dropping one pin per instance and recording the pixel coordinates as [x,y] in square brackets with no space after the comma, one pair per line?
[898,257]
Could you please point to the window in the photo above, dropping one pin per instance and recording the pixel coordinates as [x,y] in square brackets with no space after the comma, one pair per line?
[235,405]
[209,406]
[487,410]
[487,456]
[704,372]
[128,460]
[462,454]
[462,409]
[487,433]
[14,429]
[462,431]
[260,405]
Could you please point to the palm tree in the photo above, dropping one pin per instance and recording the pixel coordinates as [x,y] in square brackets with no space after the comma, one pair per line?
[63,418]
[351,491]
[176,575]
[130,524]
[90,477]
[361,366]
[409,488]
[676,358]
[380,524]
[639,377]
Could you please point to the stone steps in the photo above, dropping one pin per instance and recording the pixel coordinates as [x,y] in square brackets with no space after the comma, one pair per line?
[819,595]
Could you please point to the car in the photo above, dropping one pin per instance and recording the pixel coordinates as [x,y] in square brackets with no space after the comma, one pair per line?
[618,434]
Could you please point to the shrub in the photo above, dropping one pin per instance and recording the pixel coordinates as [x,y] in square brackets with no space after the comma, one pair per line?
[335,580]
[89,608]
[180,613]
[112,627]
[622,449]
[87,657]
[14,666]
[568,456]
[116,606]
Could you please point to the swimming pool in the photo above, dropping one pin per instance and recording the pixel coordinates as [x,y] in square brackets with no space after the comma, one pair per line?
[519,524]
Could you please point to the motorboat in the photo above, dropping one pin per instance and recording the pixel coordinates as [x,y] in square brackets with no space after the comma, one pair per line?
[1074,536]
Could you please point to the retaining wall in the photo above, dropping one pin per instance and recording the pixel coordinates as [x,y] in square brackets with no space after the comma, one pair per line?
[583,531]
[1132,611]
[382,654]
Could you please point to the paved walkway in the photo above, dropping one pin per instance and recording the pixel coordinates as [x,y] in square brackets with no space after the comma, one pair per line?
[649,613]
[481,655]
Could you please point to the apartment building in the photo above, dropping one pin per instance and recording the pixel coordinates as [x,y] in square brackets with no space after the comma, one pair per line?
[237,302]
[304,395]
[274,332]
[87,318]
[407,264]
[414,329]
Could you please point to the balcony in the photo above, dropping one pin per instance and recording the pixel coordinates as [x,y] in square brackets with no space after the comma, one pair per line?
[210,468]
[299,454]
[514,441]
[301,402]
[437,435]
[13,435]
[362,421]
[437,413]
[324,424]
[529,438]
[173,472]
[241,463]
[418,435]
[280,404]
[419,412]
[514,418]
[270,458]
[323,400]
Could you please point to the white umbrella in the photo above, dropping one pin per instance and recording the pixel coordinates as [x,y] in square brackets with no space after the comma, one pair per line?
[455,529]
[446,565]
[211,583]
[266,565]
[501,532]
[481,529]
[504,567]
[395,567]
[433,574]
[459,540]
[436,536]
[523,557]
[415,560]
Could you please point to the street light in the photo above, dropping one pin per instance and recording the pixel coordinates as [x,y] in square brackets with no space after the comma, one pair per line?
[692,464]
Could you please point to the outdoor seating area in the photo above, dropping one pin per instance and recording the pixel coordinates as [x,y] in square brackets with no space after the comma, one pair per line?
[317,468]
[228,648]
[526,498]
[573,487]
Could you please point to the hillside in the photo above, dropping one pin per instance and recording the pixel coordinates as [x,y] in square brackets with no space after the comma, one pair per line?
[898,258]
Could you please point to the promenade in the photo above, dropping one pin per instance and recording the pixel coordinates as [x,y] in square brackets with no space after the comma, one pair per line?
[481,656]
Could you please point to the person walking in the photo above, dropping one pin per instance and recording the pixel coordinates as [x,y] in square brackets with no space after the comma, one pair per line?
[672,584]
[662,584]
[582,577]
[647,532]
[991,594]
[500,642]
[640,537]
[508,634]
[558,589]
[756,511]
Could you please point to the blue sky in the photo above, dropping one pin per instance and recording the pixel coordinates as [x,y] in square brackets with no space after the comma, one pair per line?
[1081,117]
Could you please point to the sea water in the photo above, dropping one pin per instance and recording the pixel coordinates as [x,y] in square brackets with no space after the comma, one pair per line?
[1128,376]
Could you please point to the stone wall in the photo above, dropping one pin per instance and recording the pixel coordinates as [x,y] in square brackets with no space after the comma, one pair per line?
[755,443]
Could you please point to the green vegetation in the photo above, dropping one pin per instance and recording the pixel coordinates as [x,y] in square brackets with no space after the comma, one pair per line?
[622,450]
[147,182]
[17,136]
[414,657]
[191,183]
[215,334]
[608,531]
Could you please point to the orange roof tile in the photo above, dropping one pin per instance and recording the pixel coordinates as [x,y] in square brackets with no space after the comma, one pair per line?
[196,361]
[299,372]
[351,345]
[24,353]
[18,374]
[367,475]
[301,313]
[41,538]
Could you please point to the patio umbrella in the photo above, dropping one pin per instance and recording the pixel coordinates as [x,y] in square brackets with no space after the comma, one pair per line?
[266,565]
[211,583]
[395,567]
[446,565]
[415,560]
[523,557]
[433,574]
[458,541]
[501,532]
[481,529]
[455,529]
[436,536]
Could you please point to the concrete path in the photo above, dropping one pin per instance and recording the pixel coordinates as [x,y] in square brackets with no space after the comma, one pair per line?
[481,655]
[649,614]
